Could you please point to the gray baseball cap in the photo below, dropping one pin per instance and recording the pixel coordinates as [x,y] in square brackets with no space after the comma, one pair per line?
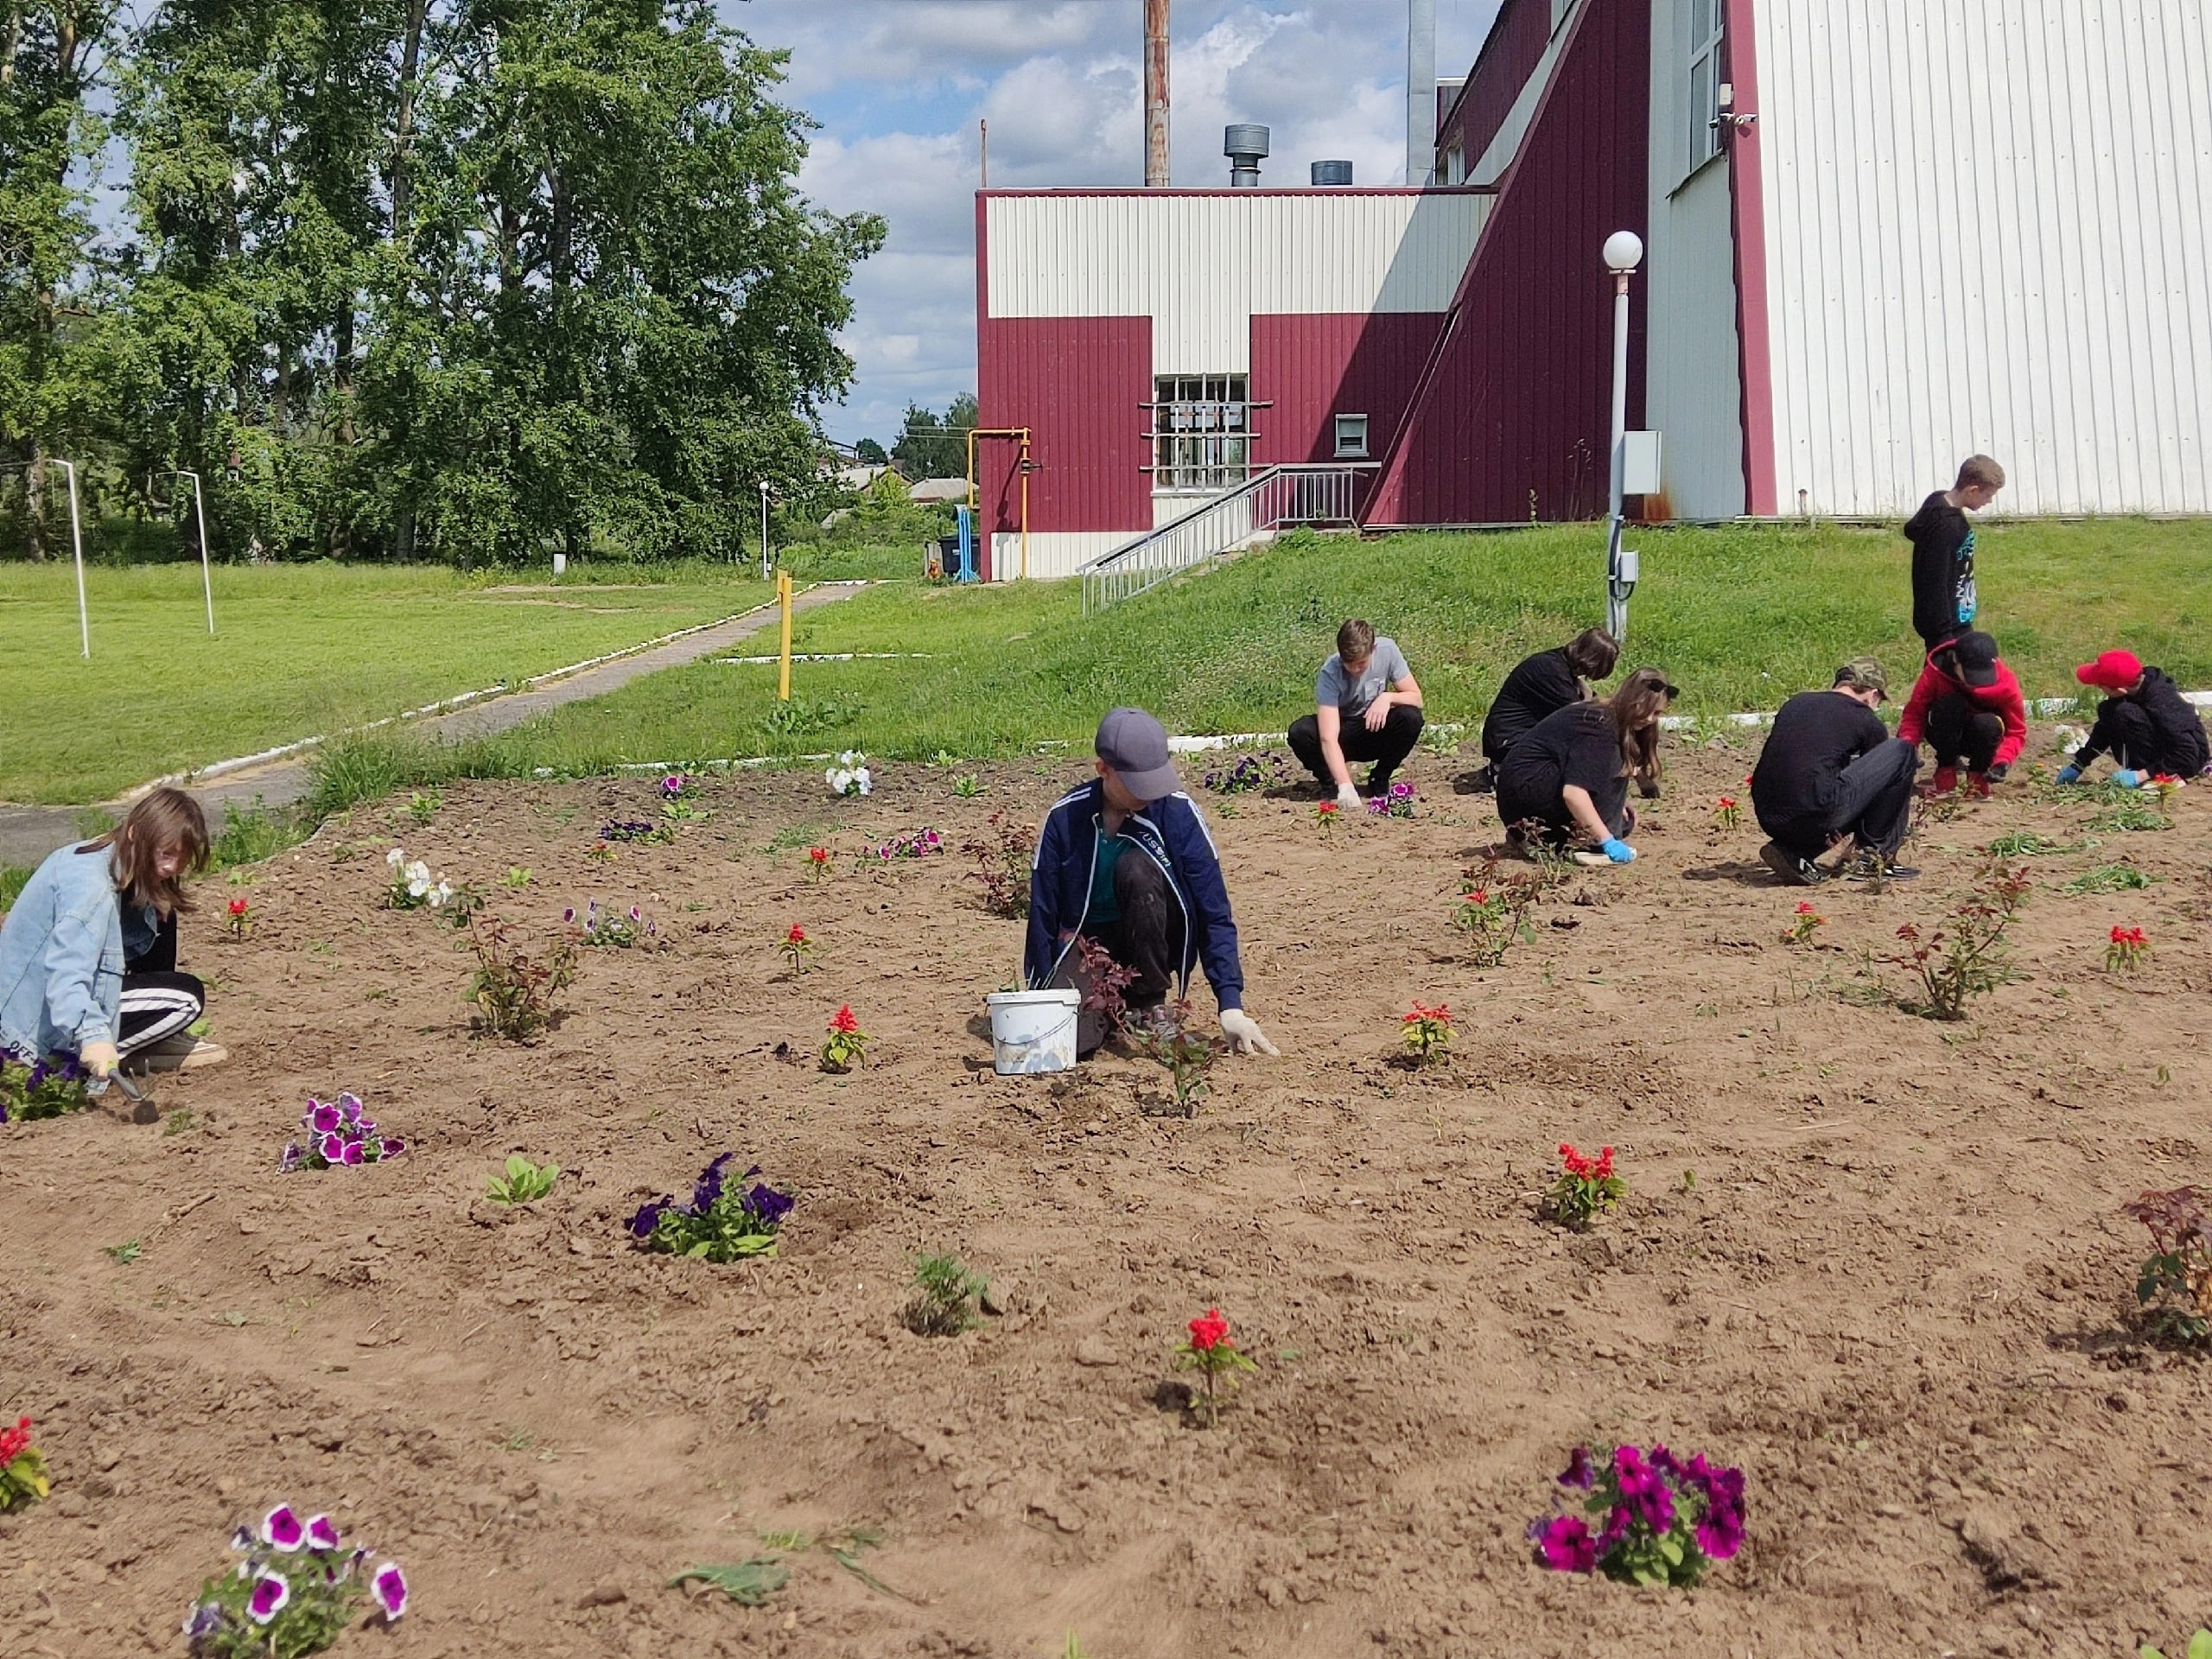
[1136,746]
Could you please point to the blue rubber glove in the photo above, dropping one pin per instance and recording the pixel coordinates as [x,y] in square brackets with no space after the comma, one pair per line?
[1619,851]
[2068,775]
[2127,780]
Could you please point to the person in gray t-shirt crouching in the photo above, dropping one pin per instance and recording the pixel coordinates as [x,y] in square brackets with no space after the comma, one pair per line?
[1367,707]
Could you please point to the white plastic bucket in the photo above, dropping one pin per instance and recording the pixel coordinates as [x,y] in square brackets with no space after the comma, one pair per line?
[1032,1031]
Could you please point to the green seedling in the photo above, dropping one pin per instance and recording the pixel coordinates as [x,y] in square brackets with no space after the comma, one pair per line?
[524,1181]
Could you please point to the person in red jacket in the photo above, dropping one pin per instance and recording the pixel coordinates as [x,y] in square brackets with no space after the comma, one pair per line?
[1967,707]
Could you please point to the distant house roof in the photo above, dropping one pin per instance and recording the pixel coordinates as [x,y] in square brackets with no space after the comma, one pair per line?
[861,474]
[939,489]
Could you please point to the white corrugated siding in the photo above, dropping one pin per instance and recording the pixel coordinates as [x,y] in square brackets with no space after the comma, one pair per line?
[1053,552]
[1202,267]
[1693,392]
[1986,231]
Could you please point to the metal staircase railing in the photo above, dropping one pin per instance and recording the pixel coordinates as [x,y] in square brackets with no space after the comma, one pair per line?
[1303,494]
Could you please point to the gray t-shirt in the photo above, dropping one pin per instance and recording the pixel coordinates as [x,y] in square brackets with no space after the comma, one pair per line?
[1385,668]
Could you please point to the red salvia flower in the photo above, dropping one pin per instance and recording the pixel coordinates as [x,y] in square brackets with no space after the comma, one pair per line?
[797,936]
[237,907]
[842,1020]
[13,1440]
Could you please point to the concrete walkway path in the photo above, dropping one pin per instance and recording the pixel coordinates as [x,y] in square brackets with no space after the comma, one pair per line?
[28,834]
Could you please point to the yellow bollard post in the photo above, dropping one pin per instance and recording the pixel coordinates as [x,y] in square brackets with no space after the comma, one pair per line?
[783,673]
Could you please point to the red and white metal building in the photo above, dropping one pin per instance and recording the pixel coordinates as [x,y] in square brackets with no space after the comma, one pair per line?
[1881,234]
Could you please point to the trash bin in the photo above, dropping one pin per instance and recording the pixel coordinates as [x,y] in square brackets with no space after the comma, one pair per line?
[950,560]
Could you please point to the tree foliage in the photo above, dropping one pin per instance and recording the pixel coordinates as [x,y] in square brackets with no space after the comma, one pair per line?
[464,279]
[935,446]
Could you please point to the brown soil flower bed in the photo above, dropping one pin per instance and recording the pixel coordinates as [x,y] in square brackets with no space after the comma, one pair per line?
[1875,1260]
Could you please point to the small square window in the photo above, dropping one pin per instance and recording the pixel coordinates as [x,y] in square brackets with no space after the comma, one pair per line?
[1351,437]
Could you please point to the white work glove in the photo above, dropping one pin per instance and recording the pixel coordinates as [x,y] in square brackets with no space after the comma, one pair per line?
[1244,1034]
[1348,798]
[98,1059]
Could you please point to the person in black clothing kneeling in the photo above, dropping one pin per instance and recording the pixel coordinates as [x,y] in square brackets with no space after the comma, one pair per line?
[1567,780]
[2146,724]
[1832,777]
[1540,686]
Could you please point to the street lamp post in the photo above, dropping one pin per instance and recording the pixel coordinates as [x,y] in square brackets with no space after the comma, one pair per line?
[1624,253]
[200,512]
[77,541]
[764,529]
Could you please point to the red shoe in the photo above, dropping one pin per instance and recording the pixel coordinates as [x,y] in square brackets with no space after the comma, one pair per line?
[1977,785]
[1945,780]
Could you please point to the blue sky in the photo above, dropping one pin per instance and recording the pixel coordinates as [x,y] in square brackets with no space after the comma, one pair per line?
[898,86]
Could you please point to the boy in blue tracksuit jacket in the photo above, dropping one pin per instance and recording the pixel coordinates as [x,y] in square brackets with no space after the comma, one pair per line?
[1126,861]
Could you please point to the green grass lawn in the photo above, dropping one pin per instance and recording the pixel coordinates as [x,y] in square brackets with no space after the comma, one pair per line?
[1740,616]
[300,650]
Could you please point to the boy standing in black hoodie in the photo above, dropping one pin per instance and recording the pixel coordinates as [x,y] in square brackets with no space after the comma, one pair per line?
[1943,600]
[2146,724]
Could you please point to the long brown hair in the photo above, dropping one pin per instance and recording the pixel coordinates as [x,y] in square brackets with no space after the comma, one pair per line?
[162,820]
[1643,697]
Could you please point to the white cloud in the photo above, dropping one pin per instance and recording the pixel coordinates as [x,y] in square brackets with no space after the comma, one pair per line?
[899,84]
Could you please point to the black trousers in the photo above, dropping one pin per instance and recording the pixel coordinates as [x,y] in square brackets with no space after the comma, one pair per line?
[2126,731]
[1959,730]
[1146,937]
[1387,748]
[1874,804]
[157,1001]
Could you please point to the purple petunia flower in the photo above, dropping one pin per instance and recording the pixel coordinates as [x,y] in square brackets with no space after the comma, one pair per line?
[648,1216]
[390,1589]
[323,1119]
[281,1529]
[351,1106]
[1578,1472]
[353,1154]
[331,1149]
[568,915]
[270,1593]
[1644,1492]
[393,1146]
[709,1187]
[322,1533]
[290,1159]
[1565,1544]
[768,1204]
[242,1539]
[207,1618]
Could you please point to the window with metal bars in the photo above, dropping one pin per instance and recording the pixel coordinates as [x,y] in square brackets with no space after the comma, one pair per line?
[1707,24]
[1201,436]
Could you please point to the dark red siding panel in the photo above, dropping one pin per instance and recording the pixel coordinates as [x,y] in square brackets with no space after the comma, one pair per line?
[1510,53]
[1078,384]
[1313,368]
[1747,184]
[1512,415]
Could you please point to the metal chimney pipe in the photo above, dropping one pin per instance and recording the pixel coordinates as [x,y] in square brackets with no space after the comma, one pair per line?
[1246,146]
[1420,93]
[1155,94]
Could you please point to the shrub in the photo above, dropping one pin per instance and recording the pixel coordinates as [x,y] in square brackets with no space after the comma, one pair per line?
[1188,1055]
[2176,1283]
[945,1292]
[1002,866]
[513,992]
[1968,956]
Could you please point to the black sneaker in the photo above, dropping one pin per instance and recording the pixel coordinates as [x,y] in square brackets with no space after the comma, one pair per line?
[1794,872]
[1870,865]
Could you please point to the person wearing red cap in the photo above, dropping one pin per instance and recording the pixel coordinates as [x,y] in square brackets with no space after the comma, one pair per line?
[1966,706]
[2145,725]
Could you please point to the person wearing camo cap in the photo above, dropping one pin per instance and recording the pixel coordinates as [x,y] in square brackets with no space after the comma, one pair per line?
[1832,783]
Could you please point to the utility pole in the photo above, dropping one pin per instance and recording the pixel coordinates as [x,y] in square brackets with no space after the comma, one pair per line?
[1624,253]
[1155,94]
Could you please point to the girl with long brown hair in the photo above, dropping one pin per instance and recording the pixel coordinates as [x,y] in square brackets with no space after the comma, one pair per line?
[1566,780]
[88,954]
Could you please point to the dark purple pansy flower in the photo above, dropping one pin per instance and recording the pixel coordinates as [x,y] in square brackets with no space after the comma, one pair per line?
[568,915]
[270,1593]
[648,1216]
[1578,1472]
